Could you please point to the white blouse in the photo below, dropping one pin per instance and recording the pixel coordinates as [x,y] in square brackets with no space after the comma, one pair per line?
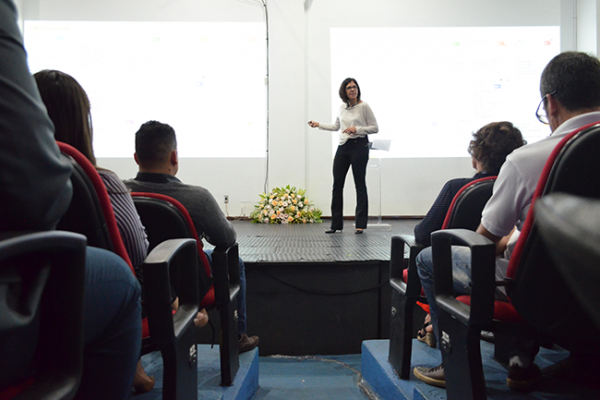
[359,116]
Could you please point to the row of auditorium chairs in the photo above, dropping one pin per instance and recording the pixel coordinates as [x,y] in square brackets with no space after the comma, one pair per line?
[546,296]
[47,268]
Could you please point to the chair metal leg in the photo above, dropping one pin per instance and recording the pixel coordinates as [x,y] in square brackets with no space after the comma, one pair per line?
[401,333]
[461,355]
[230,361]
[180,359]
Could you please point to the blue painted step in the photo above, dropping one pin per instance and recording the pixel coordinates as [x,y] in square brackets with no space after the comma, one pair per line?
[378,372]
[244,386]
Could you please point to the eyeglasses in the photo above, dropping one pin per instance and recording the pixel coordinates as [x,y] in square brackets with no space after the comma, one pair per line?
[351,87]
[543,118]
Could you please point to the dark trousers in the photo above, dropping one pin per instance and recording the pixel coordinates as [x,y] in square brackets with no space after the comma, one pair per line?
[354,152]
[112,327]
[241,297]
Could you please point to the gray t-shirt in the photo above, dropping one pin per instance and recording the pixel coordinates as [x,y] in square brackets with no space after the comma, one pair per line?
[209,220]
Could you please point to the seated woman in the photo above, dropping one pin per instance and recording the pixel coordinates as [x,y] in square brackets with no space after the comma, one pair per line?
[488,149]
[69,109]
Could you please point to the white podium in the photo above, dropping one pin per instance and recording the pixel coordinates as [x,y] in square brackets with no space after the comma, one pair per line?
[374,167]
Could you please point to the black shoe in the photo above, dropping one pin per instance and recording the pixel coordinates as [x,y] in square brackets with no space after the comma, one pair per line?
[359,231]
[523,378]
[247,343]
[332,230]
[432,376]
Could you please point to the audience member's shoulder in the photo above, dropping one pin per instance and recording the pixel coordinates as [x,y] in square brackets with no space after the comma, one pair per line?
[111,180]
[107,174]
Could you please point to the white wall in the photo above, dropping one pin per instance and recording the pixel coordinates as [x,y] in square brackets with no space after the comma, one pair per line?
[300,87]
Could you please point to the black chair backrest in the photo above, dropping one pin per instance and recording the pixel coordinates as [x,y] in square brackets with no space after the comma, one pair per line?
[538,292]
[163,221]
[466,213]
[84,214]
[41,314]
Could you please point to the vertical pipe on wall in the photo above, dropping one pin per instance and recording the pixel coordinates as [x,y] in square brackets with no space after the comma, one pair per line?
[307,4]
[568,25]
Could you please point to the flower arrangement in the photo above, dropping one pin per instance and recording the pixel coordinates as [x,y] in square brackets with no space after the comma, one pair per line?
[285,205]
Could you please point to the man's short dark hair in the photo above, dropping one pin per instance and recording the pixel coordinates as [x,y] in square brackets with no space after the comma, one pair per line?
[154,142]
[573,78]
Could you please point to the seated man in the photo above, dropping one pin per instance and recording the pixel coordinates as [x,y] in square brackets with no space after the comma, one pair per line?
[156,156]
[570,89]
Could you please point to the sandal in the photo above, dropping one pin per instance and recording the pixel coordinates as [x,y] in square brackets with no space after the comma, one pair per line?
[426,337]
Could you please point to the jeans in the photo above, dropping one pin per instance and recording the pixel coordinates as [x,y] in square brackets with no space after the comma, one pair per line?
[461,272]
[241,297]
[112,327]
[523,347]
[354,152]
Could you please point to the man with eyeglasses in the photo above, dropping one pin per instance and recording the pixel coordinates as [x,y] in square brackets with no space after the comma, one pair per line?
[570,89]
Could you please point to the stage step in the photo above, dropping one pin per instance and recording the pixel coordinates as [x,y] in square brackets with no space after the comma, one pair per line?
[377,371]
[244,386]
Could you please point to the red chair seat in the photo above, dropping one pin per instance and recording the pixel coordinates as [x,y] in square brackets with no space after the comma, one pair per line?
[209,299]
[503,311]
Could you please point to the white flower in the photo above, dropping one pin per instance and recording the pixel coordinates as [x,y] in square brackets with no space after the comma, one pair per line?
[266,220]
[285,203]
[287,190]
[311,209]
[300,205]
[271,212]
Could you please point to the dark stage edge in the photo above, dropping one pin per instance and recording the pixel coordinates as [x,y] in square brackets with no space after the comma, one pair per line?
[377,371]
[266,243]
[309,292]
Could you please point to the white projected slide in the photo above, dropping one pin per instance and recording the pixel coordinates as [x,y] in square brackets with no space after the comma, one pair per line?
[206,80]
[430,88]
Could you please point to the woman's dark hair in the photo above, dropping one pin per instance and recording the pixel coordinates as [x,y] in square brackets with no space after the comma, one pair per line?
[69,109]
[343,94]
[493,143]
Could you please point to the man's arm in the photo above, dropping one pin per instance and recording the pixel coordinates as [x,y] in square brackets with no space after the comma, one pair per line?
[500,241]
[210,220]
[35,188]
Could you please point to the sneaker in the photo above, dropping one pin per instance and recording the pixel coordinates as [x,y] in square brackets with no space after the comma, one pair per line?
[522,378]
[575,372]
[432,376]
[247,343]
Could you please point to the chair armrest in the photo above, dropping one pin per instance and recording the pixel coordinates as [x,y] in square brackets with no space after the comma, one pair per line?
[398,263]
[483,280]
[226,273]
[178,256]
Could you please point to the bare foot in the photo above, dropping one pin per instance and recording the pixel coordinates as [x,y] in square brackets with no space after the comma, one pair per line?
[201,319]
[142,383]
[427,324]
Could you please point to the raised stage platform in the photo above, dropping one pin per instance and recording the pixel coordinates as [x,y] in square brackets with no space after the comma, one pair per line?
[314,293]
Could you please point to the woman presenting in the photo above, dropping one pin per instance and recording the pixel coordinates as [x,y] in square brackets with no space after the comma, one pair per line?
[357,121]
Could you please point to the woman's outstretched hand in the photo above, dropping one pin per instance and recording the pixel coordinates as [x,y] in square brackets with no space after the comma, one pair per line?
[313,124]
